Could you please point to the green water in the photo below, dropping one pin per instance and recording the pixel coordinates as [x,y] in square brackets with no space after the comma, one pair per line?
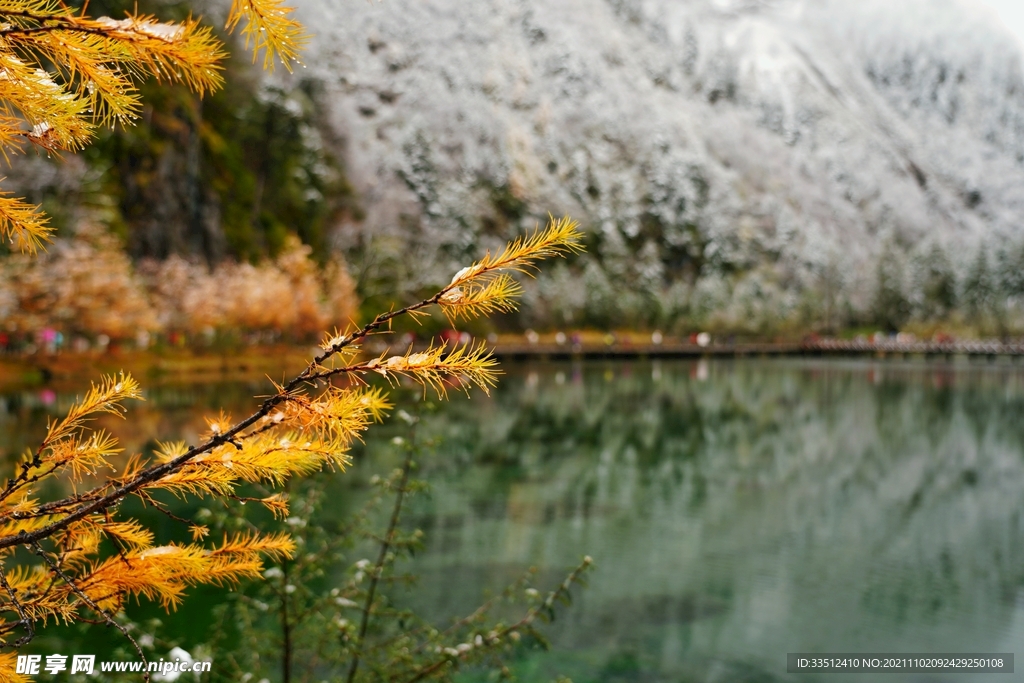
[736,510]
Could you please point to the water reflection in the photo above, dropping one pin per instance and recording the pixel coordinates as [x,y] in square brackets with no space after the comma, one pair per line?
[737,510]
[168,411]
[740,511]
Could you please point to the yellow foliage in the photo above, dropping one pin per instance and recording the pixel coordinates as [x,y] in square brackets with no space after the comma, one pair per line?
[164,572]
[485,287]
[61,74]
[20,223]
[130,532]
[464,366]
[561,237]
[249,297]
[105,397]
[87,285]
[481,299]
[277,504]
[270,457]
[65,72]
[8,661]
[304,426]
[269,28]
[342,413]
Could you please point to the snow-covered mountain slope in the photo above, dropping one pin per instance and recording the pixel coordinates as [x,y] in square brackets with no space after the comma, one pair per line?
[723,154]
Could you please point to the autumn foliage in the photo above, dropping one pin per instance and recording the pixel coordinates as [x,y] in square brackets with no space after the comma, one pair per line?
[65,73]
[88,287]
[192,298]
[306,425]
[66,552]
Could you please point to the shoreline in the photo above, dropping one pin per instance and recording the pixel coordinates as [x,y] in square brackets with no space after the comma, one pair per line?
[177,366]
[822,347]
[276,362]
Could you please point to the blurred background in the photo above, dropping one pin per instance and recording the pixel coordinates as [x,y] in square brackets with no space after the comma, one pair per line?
[752,169]
[749,167]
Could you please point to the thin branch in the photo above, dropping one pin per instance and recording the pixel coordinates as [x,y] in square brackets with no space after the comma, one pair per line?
[286,628]
[155,472]
[93,606]
[496,638]
[72,24]
[23,479]
[159,507]
[30,632]
[70,28]
[378,569]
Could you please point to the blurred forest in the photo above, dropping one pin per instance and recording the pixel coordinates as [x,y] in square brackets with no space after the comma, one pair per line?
[226,176]
[208,216]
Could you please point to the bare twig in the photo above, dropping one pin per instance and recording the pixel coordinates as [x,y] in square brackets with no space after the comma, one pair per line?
[496,638]
[30,632]
[378,568]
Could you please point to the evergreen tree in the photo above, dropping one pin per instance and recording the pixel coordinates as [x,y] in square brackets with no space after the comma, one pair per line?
[935,284]
[232,175]
[891,307]
[1010,270]
[979,292]
[830,283]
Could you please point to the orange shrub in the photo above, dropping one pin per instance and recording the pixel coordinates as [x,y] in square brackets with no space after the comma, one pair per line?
[87,285]
[290,294]
[81,286]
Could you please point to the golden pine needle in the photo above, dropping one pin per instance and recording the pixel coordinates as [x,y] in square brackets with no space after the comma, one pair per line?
[464,366]
[560,237]
[218,425]
[332,340]
[472,300]
[129,532]
[8,669]
[166,452]
[106,397]
[270,29]
[269,457]
[277,504]
[343,413]
[83,456]
[11,527]
[22,224]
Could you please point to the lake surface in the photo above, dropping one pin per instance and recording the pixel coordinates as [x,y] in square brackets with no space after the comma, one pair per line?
[736,510]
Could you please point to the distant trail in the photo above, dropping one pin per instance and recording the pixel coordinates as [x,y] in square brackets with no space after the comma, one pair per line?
[824,347]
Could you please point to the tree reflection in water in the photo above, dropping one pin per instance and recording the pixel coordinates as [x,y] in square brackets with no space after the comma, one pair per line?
[741,510]
[736,510]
